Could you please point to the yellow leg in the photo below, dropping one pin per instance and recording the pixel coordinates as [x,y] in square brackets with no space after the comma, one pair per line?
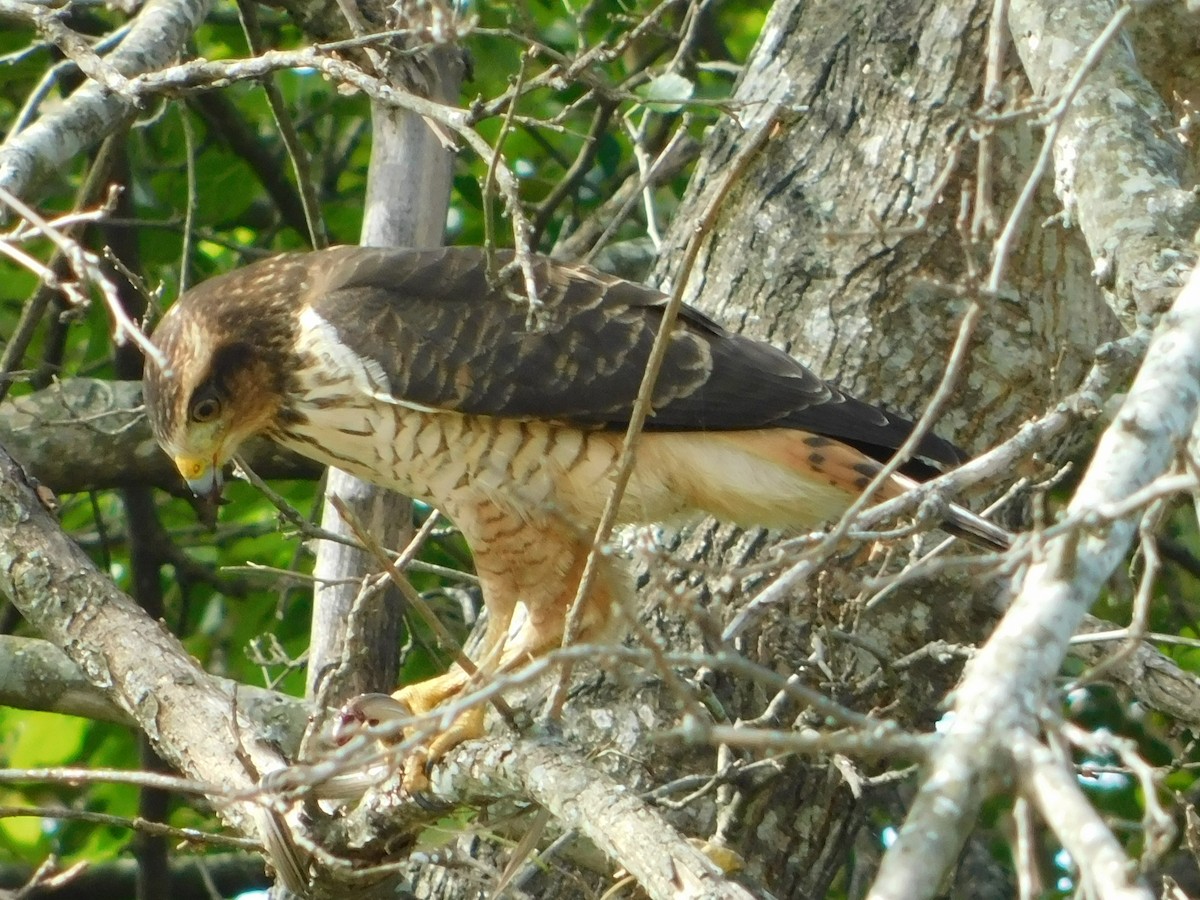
[529,572]
[423,697]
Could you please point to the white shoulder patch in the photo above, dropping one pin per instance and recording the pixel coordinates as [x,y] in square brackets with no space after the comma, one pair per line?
[319,339]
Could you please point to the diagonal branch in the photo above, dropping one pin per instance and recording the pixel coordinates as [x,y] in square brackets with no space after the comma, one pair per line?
[1119,168]
[35,674]
[91,113]
[1053,787]
[1010,679]
[582,798]
[186,714]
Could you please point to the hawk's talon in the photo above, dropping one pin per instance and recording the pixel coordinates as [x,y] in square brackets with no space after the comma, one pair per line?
[376,710]
[430,802]
[466,726]
[518,455]
[415,778]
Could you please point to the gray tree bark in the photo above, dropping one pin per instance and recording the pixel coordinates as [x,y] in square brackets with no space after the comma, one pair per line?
[843,241]
[858,199]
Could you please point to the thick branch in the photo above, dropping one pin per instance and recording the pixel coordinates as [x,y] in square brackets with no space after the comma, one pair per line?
[1156,680]
[156,38]
[580,797]
[85,434]
[1119,166]
[1010,679]
[35,674]
[134,660]
[1054,788]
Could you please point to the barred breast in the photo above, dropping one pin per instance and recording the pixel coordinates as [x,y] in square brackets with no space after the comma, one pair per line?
[450,460]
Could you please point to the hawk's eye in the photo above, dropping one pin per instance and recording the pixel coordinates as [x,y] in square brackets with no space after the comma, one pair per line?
[206,409]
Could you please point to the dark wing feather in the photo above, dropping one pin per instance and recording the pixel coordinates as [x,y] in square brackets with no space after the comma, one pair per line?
[448,339]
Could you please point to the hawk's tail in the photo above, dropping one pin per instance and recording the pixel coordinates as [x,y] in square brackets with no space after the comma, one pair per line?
[786,478]
[963,523]
[979,531]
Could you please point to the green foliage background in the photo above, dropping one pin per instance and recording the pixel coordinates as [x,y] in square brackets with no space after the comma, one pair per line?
[254,628]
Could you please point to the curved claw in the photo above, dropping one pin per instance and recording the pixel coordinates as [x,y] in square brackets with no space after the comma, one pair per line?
[417,766]
[429,802]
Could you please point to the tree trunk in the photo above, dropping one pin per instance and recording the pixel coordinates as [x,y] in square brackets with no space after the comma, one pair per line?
[840,238]
[401,210]
[842,243]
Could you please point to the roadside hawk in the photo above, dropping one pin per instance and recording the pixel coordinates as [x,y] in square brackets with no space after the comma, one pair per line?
[413,370]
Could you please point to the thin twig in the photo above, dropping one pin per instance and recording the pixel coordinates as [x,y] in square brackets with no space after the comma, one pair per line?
[186,835]
[189,210]
[301,164]
[87,268]
[641,406]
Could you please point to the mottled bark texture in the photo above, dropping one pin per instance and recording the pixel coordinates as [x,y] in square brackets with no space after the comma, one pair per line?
[841,243]
[1120,173]
[35,674]
[185,714]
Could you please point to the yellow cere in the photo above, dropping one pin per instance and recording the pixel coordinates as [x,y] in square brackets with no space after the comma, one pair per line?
[190,467]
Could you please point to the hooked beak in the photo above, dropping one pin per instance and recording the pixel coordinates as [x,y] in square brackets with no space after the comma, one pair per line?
[203,476]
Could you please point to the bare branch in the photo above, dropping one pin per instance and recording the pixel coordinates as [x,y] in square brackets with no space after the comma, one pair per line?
[1053,788]
[1009,680]
[87,434]
[142,668]
[580,797]
[1157,681]
[1119,167]
[399,211]
[92,112]
[35,674]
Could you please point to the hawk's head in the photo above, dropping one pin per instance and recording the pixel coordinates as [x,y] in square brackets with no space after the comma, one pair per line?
[226,346]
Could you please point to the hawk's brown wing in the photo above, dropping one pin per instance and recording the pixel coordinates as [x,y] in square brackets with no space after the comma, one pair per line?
[445,338]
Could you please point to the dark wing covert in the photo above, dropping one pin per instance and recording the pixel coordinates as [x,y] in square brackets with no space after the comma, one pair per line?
[448,339]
